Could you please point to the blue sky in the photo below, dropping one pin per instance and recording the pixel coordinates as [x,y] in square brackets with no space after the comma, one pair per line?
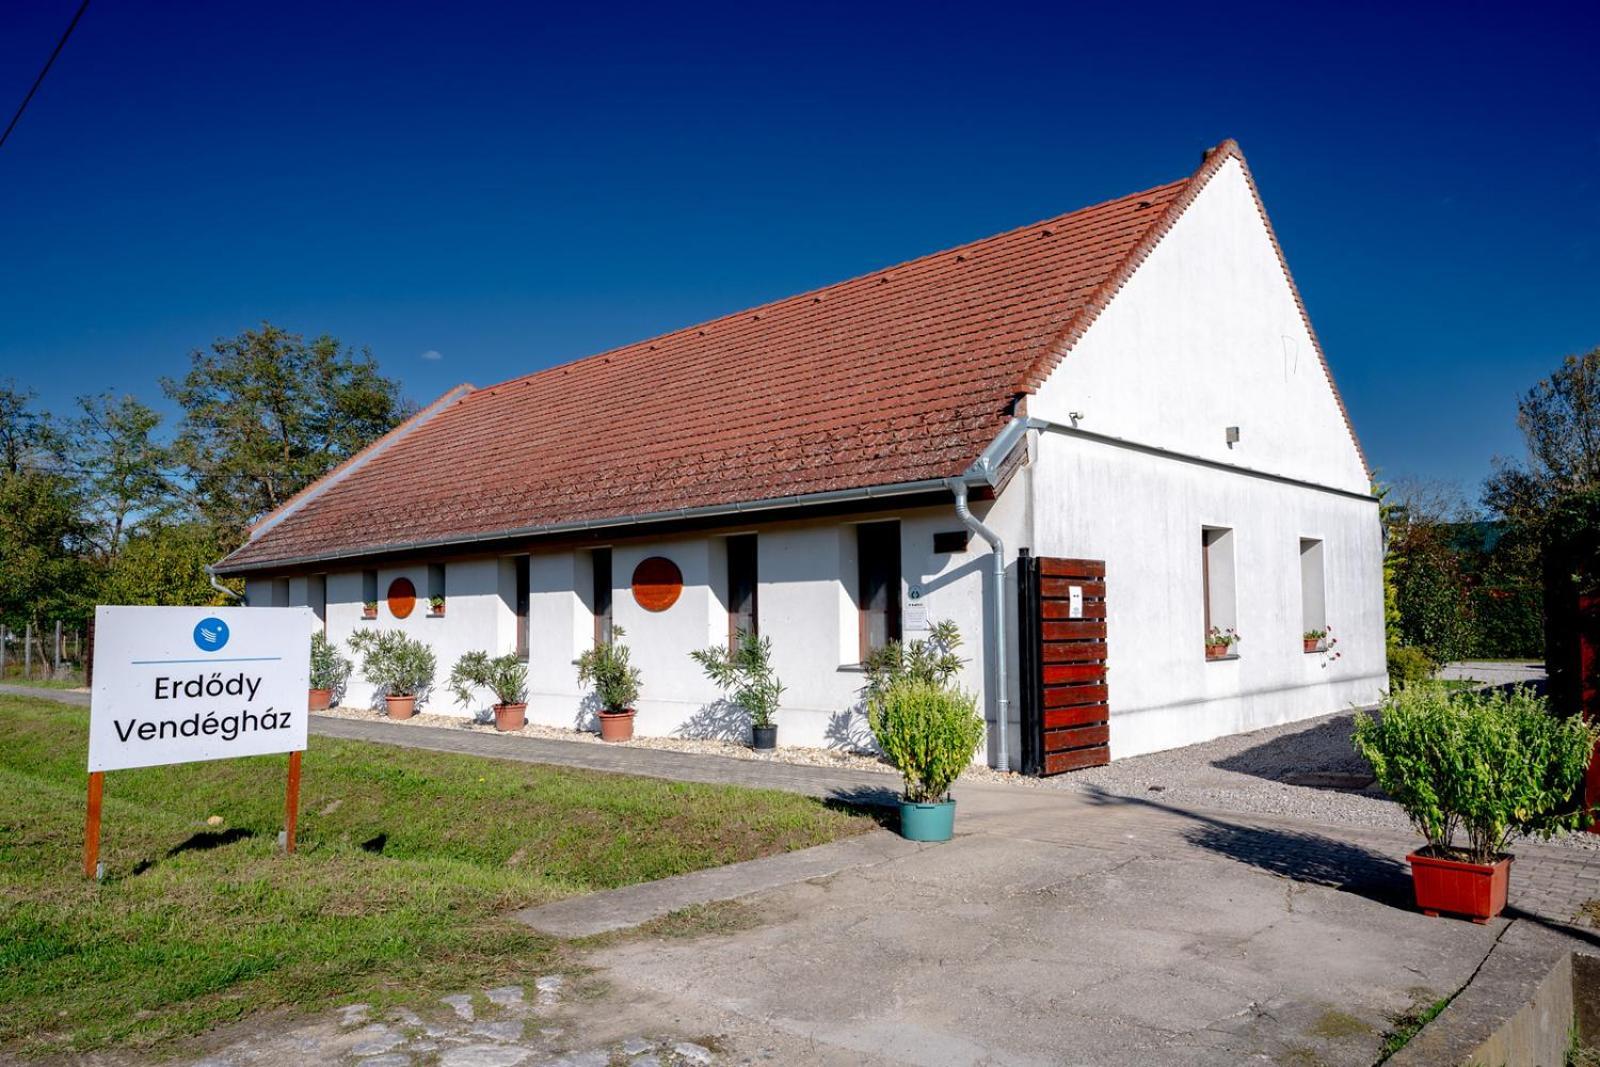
[477,191]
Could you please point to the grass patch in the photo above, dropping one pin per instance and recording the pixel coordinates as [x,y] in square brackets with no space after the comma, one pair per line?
[408,862]
[1407,1024]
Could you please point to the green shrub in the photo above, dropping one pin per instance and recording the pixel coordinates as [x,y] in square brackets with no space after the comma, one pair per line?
[928,732]
[506,676]
[329,670]
[606,667]
[745,675]
[399,665]
[1489,764]
[1409,665]
[932,659]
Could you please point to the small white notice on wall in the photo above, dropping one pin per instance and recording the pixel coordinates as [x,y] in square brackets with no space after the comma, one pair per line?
[916,617]
[179,685]
[1075,601]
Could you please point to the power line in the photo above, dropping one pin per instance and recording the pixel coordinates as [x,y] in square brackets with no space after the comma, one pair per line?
[46,70]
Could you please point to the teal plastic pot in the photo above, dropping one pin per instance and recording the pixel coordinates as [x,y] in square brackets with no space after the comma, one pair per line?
[927,822]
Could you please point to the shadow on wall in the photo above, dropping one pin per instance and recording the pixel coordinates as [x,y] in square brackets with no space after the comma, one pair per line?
[588,714]
[848,730]
[721,720]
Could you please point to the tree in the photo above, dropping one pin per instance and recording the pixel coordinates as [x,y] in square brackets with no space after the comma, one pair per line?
[122,467]
[28,441]
[266,413]
[164,563]
[44,575]
[1560,422]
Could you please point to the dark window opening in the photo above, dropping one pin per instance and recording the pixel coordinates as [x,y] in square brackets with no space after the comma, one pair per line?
[878,557]
[741,587]
[602,595]
[522,606]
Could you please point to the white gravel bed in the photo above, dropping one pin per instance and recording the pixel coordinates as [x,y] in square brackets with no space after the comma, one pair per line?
[1246,773]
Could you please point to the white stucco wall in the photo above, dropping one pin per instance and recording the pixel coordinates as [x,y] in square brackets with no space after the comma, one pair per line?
[806,593]
[1206,335]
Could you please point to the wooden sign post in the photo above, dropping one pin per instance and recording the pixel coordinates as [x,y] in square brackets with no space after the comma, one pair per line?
[183,685]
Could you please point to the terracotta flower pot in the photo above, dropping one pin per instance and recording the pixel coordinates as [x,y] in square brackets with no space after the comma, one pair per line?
[1449,887]
[369,613]
[319,699]
[1216,651]
[616,725]
[509,717]
[1313,644]
[400,707]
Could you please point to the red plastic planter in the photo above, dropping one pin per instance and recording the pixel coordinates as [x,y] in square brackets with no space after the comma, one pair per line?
[616,725]
[1450,887]
[319,699]
[509,718]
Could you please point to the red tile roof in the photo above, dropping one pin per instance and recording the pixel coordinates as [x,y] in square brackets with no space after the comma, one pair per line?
[898,376]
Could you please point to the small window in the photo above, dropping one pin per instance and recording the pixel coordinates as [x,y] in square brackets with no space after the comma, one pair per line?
[1313,593]
[436,589]
[1216,576]
[600,596]
[741,587]
[878,559]
[280,592]
[317,598]
[369,590]
[521,606]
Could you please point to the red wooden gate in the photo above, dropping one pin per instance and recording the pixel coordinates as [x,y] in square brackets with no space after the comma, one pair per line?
[1066,722]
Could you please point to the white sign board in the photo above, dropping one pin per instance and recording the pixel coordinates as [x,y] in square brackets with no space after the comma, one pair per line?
[1074,601]
[916,617]
[180,685]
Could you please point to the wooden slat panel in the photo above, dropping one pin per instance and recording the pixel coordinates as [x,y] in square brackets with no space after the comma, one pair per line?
[1079,737]
[1060,588]
[1082,715]
[1067,568]
[1072,631]
[1064,696]
[1081,672]
[1072,652]
[1077,759]
[1058,609]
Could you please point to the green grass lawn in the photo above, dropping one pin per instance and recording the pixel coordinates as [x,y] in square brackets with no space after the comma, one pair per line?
[408,862]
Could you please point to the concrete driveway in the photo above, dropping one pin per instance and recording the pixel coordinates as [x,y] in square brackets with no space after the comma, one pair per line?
[1058,930]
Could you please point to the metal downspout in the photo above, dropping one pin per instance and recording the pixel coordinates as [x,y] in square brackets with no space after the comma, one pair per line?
[997,601]
[211,576]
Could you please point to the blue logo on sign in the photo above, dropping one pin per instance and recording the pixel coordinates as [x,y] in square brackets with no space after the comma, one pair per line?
[210,634]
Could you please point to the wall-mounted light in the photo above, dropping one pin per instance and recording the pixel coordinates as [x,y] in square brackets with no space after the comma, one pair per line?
[1232,435]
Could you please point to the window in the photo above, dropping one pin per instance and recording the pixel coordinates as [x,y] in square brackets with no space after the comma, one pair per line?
[1313,594]
[520,605]
[1216,575]
[369,589]
[435,588]
[741,587]
[317,598]
[878,559]
[601,595]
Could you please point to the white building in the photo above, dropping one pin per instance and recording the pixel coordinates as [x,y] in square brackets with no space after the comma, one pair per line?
[1135,383]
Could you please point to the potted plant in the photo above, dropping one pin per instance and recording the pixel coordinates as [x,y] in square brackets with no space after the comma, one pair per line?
[930,659]
[1490,764]
[329,670]
[1312,639]
[436,606]
[930,733]
[400,666]
[745,675]
[369,609]
[616,683]
[505,676]
[1219,641]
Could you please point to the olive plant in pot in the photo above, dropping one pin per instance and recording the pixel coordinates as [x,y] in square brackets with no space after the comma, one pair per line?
[329,672]
[930,733]
[401,667]
[1490,765]
[505,676]
[745,676]
[616,685]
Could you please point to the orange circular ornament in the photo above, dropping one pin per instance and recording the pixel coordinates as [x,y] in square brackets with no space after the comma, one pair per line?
[402,597]
[657,583]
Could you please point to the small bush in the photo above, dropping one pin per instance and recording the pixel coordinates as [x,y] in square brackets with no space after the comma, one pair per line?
[745,675]
[1490,764]
[1409,665]
[399,665]
[606,667]
[928,732]
[506,676]
[329,670]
